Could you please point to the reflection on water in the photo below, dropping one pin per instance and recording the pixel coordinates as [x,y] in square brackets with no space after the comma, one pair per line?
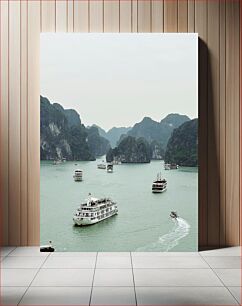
[143,221]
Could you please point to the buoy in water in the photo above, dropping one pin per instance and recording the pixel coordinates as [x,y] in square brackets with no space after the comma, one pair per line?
[47,248]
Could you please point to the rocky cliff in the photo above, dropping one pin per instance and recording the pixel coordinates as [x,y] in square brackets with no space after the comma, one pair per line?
[113,135]
[130,150]
[182,146]
[98,145]
[157,131]
[62,135]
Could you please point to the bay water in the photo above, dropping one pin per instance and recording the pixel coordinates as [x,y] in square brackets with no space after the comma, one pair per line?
[143,222]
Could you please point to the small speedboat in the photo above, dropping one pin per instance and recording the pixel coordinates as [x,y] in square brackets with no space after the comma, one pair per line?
[173,215]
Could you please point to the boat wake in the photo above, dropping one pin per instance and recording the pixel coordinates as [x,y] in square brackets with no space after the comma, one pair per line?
[168,241]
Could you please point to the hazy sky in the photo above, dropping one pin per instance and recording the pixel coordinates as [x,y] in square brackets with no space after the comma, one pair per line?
[117,79]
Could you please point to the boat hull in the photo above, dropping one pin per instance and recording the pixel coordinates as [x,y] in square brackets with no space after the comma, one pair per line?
[159,191]
[79,221]
[101,166]
[77,179]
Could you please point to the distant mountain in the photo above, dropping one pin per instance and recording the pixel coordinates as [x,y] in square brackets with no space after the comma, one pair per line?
[63,136]
[182,146]
[157,131]
[113,135]
[147,128]
[98,145]
[174,120]
[101,131]
[130,150]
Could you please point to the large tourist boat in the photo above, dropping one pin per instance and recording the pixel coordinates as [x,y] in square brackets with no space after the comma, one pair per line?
[159,185]
[94,210]
[78,175]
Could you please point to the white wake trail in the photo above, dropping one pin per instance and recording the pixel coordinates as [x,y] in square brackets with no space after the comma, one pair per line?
[168,241]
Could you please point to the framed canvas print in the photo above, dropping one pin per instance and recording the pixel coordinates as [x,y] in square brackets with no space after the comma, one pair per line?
[118,142]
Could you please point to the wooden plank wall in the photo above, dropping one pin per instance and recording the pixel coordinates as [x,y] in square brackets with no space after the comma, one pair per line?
[217,23]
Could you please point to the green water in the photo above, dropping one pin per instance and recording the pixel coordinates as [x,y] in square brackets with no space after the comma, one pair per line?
[143,222]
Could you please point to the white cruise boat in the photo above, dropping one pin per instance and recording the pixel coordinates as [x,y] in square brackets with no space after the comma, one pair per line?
[57,162]
[101,166]
[159,185]
[94,210]
[78,175]
[110,168]
[171,166]
[167,166]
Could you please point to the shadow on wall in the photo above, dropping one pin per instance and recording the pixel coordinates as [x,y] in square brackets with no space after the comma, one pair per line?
[208,151]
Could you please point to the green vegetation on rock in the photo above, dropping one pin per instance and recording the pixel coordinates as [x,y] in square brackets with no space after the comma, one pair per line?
[182,146]
[98,145]
[62,135]
[157,131]
[130,150]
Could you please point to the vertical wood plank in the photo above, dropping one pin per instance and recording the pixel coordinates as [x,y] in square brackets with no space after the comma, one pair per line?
[134,16]
[182,16]
[4,123]
[171,15]
[96,16]
[61,16]
[213,124]
[33,123]
[240,131]
[81,16]
[201,29]
[48,16]
[111,16]
[191,16]
[144,16]
[125,16]
[23,124]
[232,122]
[222,120]
[157,14]
[70,15]
[14,121]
